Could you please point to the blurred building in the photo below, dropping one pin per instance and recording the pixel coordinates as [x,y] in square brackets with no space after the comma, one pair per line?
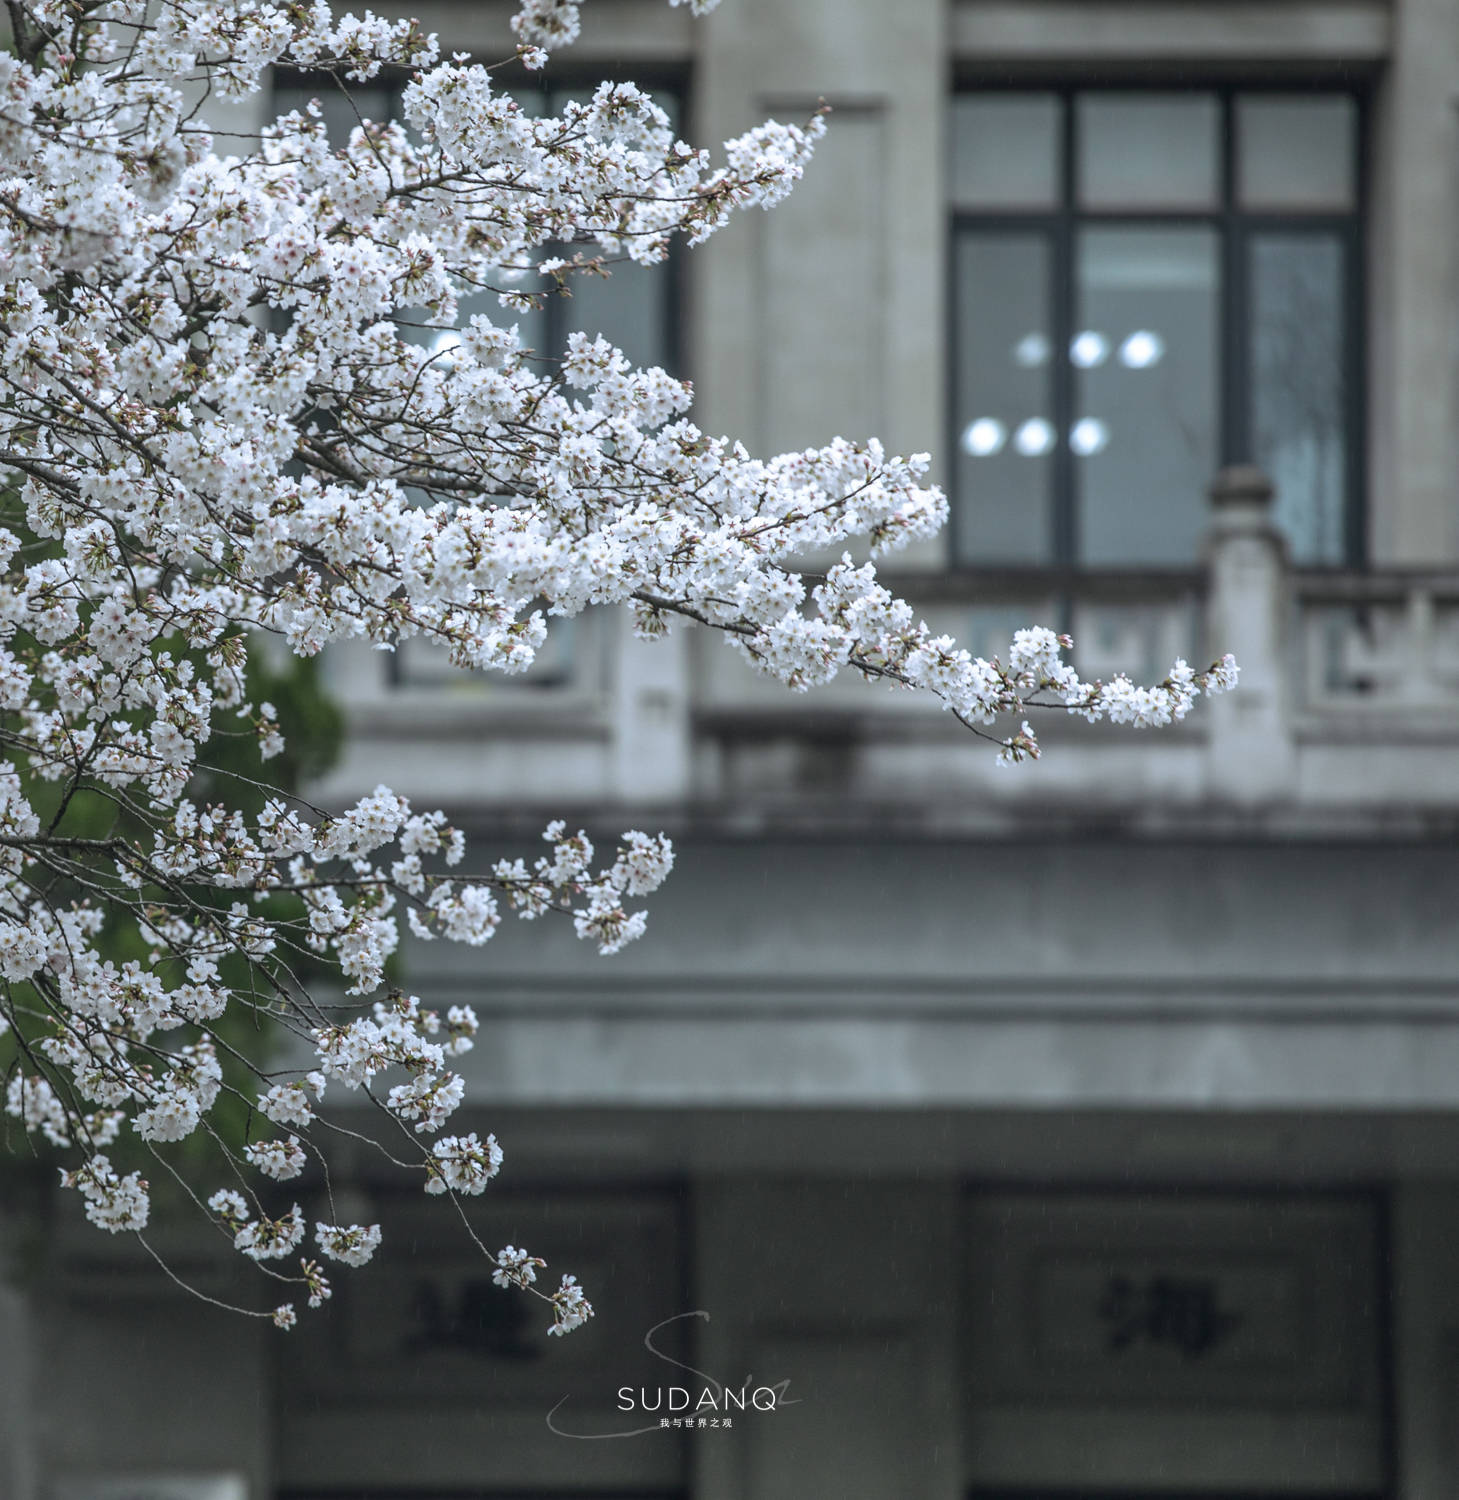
[1085,1129]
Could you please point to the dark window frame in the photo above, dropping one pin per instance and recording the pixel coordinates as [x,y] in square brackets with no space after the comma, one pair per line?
[1377,1195]
[659,82]
[656,80]
[1236,228]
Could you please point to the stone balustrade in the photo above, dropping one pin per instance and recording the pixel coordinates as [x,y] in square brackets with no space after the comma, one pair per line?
[1349,703]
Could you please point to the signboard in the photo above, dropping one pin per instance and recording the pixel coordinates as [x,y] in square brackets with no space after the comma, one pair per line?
[426,1377]
[1194,1340]
[1170,1317]
[424,1326]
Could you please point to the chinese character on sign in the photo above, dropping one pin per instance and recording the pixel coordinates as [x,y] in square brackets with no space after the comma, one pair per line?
[1183,1313]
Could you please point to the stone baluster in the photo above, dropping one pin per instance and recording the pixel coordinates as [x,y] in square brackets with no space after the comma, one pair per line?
[652,753]
[1251,756]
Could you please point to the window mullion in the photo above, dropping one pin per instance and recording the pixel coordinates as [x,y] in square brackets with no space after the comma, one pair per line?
[1064,543]
[1356,376]
[1233,308]
[1354,397]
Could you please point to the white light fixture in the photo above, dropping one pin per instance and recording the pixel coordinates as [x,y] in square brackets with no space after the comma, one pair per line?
[1088,349]
[983,437]
[1035,437]
[1088,436]
[1031,351]
[1142,349]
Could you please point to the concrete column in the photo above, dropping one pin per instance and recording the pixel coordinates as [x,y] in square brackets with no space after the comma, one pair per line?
[651,741]
[17,1417]
[824,316]
[1414,286]
[843,1295]
[1426,1339]
[1251,755]
[131,1379]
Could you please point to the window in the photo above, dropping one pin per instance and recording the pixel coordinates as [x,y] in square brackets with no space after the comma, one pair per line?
[1149,285]
[634,307]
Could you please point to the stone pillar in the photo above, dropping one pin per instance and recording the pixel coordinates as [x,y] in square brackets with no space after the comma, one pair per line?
[651,741]
[1413,375]
[824,316]
[17,1416]
[1251,758]
[1425,1291]
[841,1293]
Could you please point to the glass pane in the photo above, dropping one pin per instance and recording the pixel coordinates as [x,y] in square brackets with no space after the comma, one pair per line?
[1298,360]
[1005,151]
[366,101]
[1145,392]
[629,307]
[533,328]
[1147,150]
[536,99]
[1002,399]
[532,325]
[1295,151]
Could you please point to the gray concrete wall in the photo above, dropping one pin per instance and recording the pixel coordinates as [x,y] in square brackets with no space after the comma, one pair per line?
[824,317]
[1414,287]
[845,1291]
[18,1468]
[132,1380]
[1070,974]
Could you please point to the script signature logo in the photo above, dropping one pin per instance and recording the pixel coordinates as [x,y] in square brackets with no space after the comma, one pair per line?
[712,1395]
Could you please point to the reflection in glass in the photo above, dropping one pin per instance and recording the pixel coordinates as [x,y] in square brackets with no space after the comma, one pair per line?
[1144,501]
[1002,302]
[1298,356]
[1295,151]
[1089,436]
[984,437]
[1141,350]
[1031,351]
[1147,150]
[1005,150]
[1089,349]
[1035,437]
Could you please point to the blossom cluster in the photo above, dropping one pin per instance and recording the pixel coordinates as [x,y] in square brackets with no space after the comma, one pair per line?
[219,423]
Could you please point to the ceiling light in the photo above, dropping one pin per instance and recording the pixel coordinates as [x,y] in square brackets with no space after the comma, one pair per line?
[983,437]
[1089,349]
[1031,351]
[1142,349]
[1035,437]
[1089,436]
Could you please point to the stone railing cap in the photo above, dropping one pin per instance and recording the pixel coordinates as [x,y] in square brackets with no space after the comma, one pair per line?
[1241,484]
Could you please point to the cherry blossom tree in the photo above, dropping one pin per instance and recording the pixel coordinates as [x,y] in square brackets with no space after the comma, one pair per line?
[219,424]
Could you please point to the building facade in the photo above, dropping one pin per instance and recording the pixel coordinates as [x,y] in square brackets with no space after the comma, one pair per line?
[1089,1129]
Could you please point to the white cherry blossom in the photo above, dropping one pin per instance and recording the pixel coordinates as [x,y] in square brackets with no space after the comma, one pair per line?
[217,427]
